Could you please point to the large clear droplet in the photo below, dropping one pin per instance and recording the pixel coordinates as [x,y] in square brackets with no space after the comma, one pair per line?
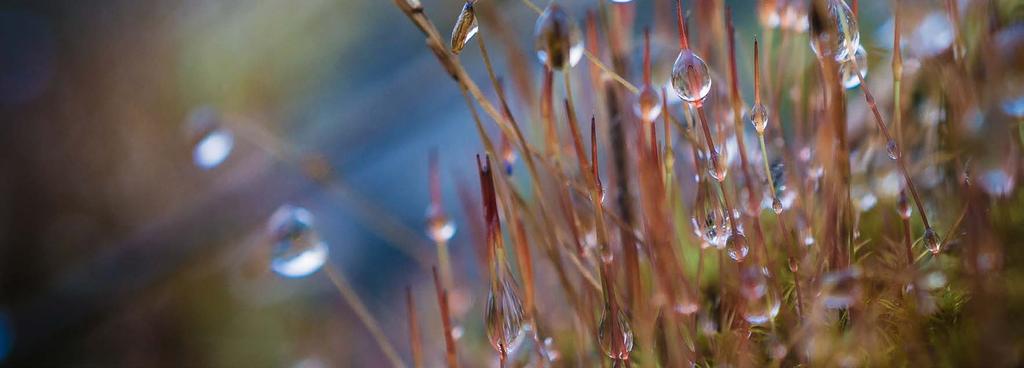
[762,309]
[615,334]
[847,35]
[212,142]
[737,247]
[840,289]
[848,71]
[691,78]
[297,248]
[440,228]
[558,40]
[504,317]
[465,27]
[648,104]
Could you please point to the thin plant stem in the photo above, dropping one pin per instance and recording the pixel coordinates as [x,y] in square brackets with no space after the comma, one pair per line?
[353,301]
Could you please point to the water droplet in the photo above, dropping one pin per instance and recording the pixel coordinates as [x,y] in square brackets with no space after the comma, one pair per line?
[863,198]
[794,264]
[762,309]
[297,248]
[690,86]
[648,104]
[848,71]
[615,334]
[559,42]
[622,1]
[903,206]
[846,32]
[840,289]
[709,218]
[1014,106]
[753,283]
[893,149]
[465,27]
[504,317]
[440,228]
[931,241]
[212,142]
[777,205]
[768,14]
[759,117]
[737,247]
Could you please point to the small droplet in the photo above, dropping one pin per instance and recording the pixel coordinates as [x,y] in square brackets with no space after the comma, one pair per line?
[709,219]
[840,289]
[794,264]
[212,142]
[440,228]
[737,247]
[846,32]
[504,317]
[931,241]
[465,27]
[559,42]
[648,104]
[777,205]
[762,309]
[848,71]
[297,248]
[903,206]
[691,78]
[615,335]
[759,117]
[893,149]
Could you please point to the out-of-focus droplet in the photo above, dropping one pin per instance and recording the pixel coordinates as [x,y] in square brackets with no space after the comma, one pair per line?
[893,149]
[465,27]
[863,198]
[691,78]
[297,248]
[509,158]
[1014,106]
[931,241]
[615,335]
[793,17]
[558,40]
[759,117]
[841,289]
[768,13]
[846,33]
[848,70]
[997,182]
[737,247]
[933,35]
[622,1]
[440,228]
[762,309]
[753,282]
[777,205]
[212,142]
[648,104]
[504,317]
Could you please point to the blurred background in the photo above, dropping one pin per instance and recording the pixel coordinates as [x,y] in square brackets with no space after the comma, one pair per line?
[145,144]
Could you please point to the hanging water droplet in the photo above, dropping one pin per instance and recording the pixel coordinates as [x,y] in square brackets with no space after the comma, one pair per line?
[440,228]
[759,117]
[465,27]
[847,36]
[297,248]
[615,334]
[737,247]
[504,317]
[903,206]
[753,283]
[648,104]
[710,221]
[212,142]
[848,70]
[762,309]
[558,40]
[931,241]
[777,205]
[840,289]
[691,78]
[508,158]
[893,149]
